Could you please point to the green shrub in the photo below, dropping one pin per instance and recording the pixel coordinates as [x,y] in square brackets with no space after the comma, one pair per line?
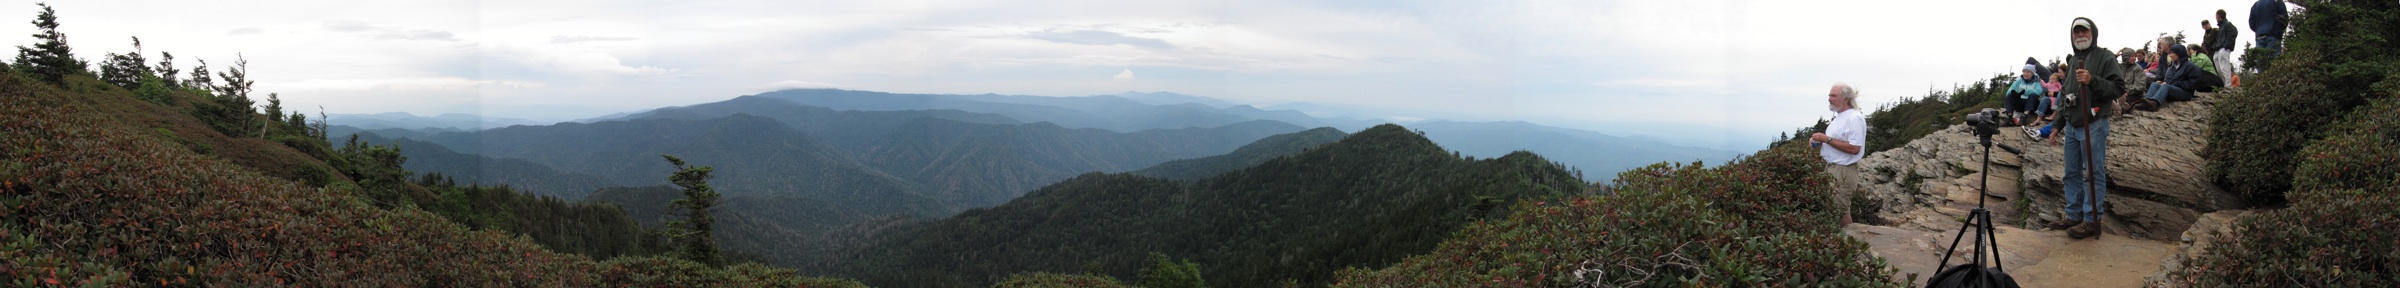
[2358,153]
[2338,56]
[2327,238]
[1167,273]
[2341,226]
[1760,221]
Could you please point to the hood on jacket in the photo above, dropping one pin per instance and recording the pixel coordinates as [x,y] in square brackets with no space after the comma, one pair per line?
[2085,23]
[2179,50]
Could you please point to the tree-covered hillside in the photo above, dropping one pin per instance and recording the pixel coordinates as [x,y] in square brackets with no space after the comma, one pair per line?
[1249,155]
[972,160]
[754,155]
[520,175]
[1368,200]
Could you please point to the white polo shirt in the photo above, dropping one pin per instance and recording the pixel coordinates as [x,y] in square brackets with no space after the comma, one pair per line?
[1849,126]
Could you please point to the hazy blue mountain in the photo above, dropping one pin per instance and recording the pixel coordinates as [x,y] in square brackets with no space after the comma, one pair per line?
[404,120]
[1171,98]
[969,159]
[1105,112]
[336,133]
[1365,201]
[1249,155]
[753,155]
[1600,156]
[852,130]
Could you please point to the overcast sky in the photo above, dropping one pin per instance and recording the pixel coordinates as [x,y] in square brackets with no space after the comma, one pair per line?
[1747,68]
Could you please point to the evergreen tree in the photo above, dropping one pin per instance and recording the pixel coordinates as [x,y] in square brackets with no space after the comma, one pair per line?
[237,80]
[166,70]
[1168,273]
[50,60]
[232,113]
[200,79]
[126,70]
[274,107]
[695,236]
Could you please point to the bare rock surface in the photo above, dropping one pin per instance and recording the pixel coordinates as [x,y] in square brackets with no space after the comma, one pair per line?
[2161,208]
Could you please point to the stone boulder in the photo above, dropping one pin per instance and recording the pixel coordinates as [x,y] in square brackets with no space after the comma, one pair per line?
[2156,186]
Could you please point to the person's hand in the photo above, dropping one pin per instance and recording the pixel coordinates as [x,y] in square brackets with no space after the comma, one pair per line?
[2083,76]
[1818,138]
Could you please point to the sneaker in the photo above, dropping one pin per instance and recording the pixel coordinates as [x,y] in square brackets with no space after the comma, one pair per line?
[2031,132]
[2063,224]
[2085,230]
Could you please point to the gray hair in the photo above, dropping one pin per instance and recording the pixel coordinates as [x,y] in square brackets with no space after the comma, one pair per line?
[1849,94]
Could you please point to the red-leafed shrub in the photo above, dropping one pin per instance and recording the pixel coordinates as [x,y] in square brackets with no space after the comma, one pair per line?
[88,199]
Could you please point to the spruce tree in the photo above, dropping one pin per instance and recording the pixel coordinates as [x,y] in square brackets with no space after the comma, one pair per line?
[233,113]
[695,229]
[166,70]
[126,70]
[200,79]
[274,107]
[50,60]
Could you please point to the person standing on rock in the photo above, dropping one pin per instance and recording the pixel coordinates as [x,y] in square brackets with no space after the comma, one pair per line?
[1842,144]
[2267,18]
[2227,35]
[2094,81]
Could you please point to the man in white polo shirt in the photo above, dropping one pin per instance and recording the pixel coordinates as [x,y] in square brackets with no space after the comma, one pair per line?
[1841,144]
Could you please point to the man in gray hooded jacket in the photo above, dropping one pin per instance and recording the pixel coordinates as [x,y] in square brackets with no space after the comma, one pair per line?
[2093,81]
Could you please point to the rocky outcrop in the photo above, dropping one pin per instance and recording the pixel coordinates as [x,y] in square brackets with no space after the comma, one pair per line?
[2161,211]
[2156,185]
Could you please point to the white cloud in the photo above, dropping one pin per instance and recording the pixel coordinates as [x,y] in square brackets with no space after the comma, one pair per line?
[1124,75]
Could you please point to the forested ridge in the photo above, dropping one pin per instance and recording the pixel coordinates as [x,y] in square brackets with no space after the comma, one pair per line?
[1368,200]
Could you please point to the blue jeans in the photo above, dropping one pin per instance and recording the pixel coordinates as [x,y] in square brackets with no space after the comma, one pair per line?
[2037,104]
[2272,43]
[2160,92]
[2078,207]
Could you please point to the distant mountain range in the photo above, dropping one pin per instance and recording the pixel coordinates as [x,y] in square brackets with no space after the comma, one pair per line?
[1600,155]
[444,122]
[867,171]
[923,162]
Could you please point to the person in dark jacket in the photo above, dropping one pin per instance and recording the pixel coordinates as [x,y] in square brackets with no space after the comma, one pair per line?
[2093,81]
[2178,78]
[2267,19]
[2225,37]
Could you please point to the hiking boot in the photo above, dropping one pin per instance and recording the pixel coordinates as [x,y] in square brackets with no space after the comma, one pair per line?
[2063,224]
[2085,230]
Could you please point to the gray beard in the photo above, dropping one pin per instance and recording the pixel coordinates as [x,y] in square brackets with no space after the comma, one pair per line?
[2081,44]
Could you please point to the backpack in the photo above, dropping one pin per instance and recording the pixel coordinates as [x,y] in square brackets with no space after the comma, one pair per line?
[1970,275]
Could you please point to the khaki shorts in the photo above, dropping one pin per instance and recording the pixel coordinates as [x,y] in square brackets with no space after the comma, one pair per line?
[1845,182]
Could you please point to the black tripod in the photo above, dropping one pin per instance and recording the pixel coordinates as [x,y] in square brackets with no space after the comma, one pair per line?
[1980,221]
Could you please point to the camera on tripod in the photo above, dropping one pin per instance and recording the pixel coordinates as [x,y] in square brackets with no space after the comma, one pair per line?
[1987,122]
